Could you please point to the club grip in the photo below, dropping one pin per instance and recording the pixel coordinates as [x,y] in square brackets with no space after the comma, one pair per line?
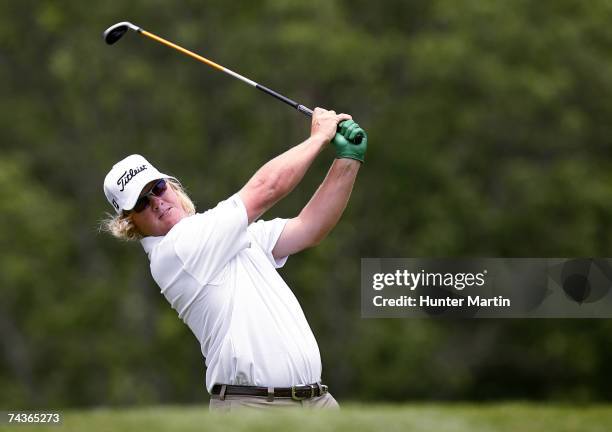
[357,140]
[308,112]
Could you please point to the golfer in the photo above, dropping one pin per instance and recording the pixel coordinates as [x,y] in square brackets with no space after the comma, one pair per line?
[217,269]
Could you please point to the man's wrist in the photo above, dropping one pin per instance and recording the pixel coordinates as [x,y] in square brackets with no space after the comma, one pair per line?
[319,140]
[348,163]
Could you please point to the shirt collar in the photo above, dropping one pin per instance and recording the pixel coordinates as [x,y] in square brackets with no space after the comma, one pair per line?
[149,243]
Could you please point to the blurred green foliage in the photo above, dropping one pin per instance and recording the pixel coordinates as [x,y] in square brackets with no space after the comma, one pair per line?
[490,135]
[504,417]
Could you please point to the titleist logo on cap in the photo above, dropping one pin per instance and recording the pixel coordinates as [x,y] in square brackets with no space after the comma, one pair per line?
[129,175]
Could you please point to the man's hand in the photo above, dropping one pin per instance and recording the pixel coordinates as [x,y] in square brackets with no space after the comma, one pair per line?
[279,176]
[344,141]
[325,123]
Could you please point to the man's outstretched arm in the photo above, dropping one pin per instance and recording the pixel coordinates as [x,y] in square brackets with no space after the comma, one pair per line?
[326,206]
[278,177]
[322,212]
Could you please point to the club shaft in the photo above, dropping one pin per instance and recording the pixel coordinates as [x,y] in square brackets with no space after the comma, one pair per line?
[301,108]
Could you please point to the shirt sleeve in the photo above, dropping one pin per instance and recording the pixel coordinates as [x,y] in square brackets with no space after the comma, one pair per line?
[266,234]
[207,241]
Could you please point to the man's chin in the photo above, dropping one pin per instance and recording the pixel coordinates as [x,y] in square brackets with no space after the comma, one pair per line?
[170,222]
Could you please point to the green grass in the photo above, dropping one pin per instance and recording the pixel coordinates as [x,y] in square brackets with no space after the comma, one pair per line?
[511,417]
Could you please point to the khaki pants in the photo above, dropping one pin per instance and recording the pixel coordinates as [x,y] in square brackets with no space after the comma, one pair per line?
[232,403]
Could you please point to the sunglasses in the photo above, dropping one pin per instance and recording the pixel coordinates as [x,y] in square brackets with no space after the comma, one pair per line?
[158,190]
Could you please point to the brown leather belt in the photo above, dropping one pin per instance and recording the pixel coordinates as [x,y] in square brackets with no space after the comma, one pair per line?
[298,392]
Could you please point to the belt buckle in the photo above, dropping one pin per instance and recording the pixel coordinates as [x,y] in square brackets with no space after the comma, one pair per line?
[295,397]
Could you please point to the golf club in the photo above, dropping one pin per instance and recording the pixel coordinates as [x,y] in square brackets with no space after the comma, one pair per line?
[116,32]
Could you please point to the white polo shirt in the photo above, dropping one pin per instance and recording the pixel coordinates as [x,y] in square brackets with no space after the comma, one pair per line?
[218,273]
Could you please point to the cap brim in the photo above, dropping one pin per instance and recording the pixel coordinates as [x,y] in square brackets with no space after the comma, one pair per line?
[139,186]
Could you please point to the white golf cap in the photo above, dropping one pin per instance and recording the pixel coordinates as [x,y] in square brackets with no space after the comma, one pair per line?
[124,182]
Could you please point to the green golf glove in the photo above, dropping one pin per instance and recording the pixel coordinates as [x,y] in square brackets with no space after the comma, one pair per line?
[346,139]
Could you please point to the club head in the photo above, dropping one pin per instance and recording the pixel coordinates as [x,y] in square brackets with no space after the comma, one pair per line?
[116,31]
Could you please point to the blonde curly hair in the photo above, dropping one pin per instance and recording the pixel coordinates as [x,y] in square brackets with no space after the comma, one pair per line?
[122,227]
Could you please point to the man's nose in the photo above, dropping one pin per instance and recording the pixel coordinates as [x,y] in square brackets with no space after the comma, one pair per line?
[154,202]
